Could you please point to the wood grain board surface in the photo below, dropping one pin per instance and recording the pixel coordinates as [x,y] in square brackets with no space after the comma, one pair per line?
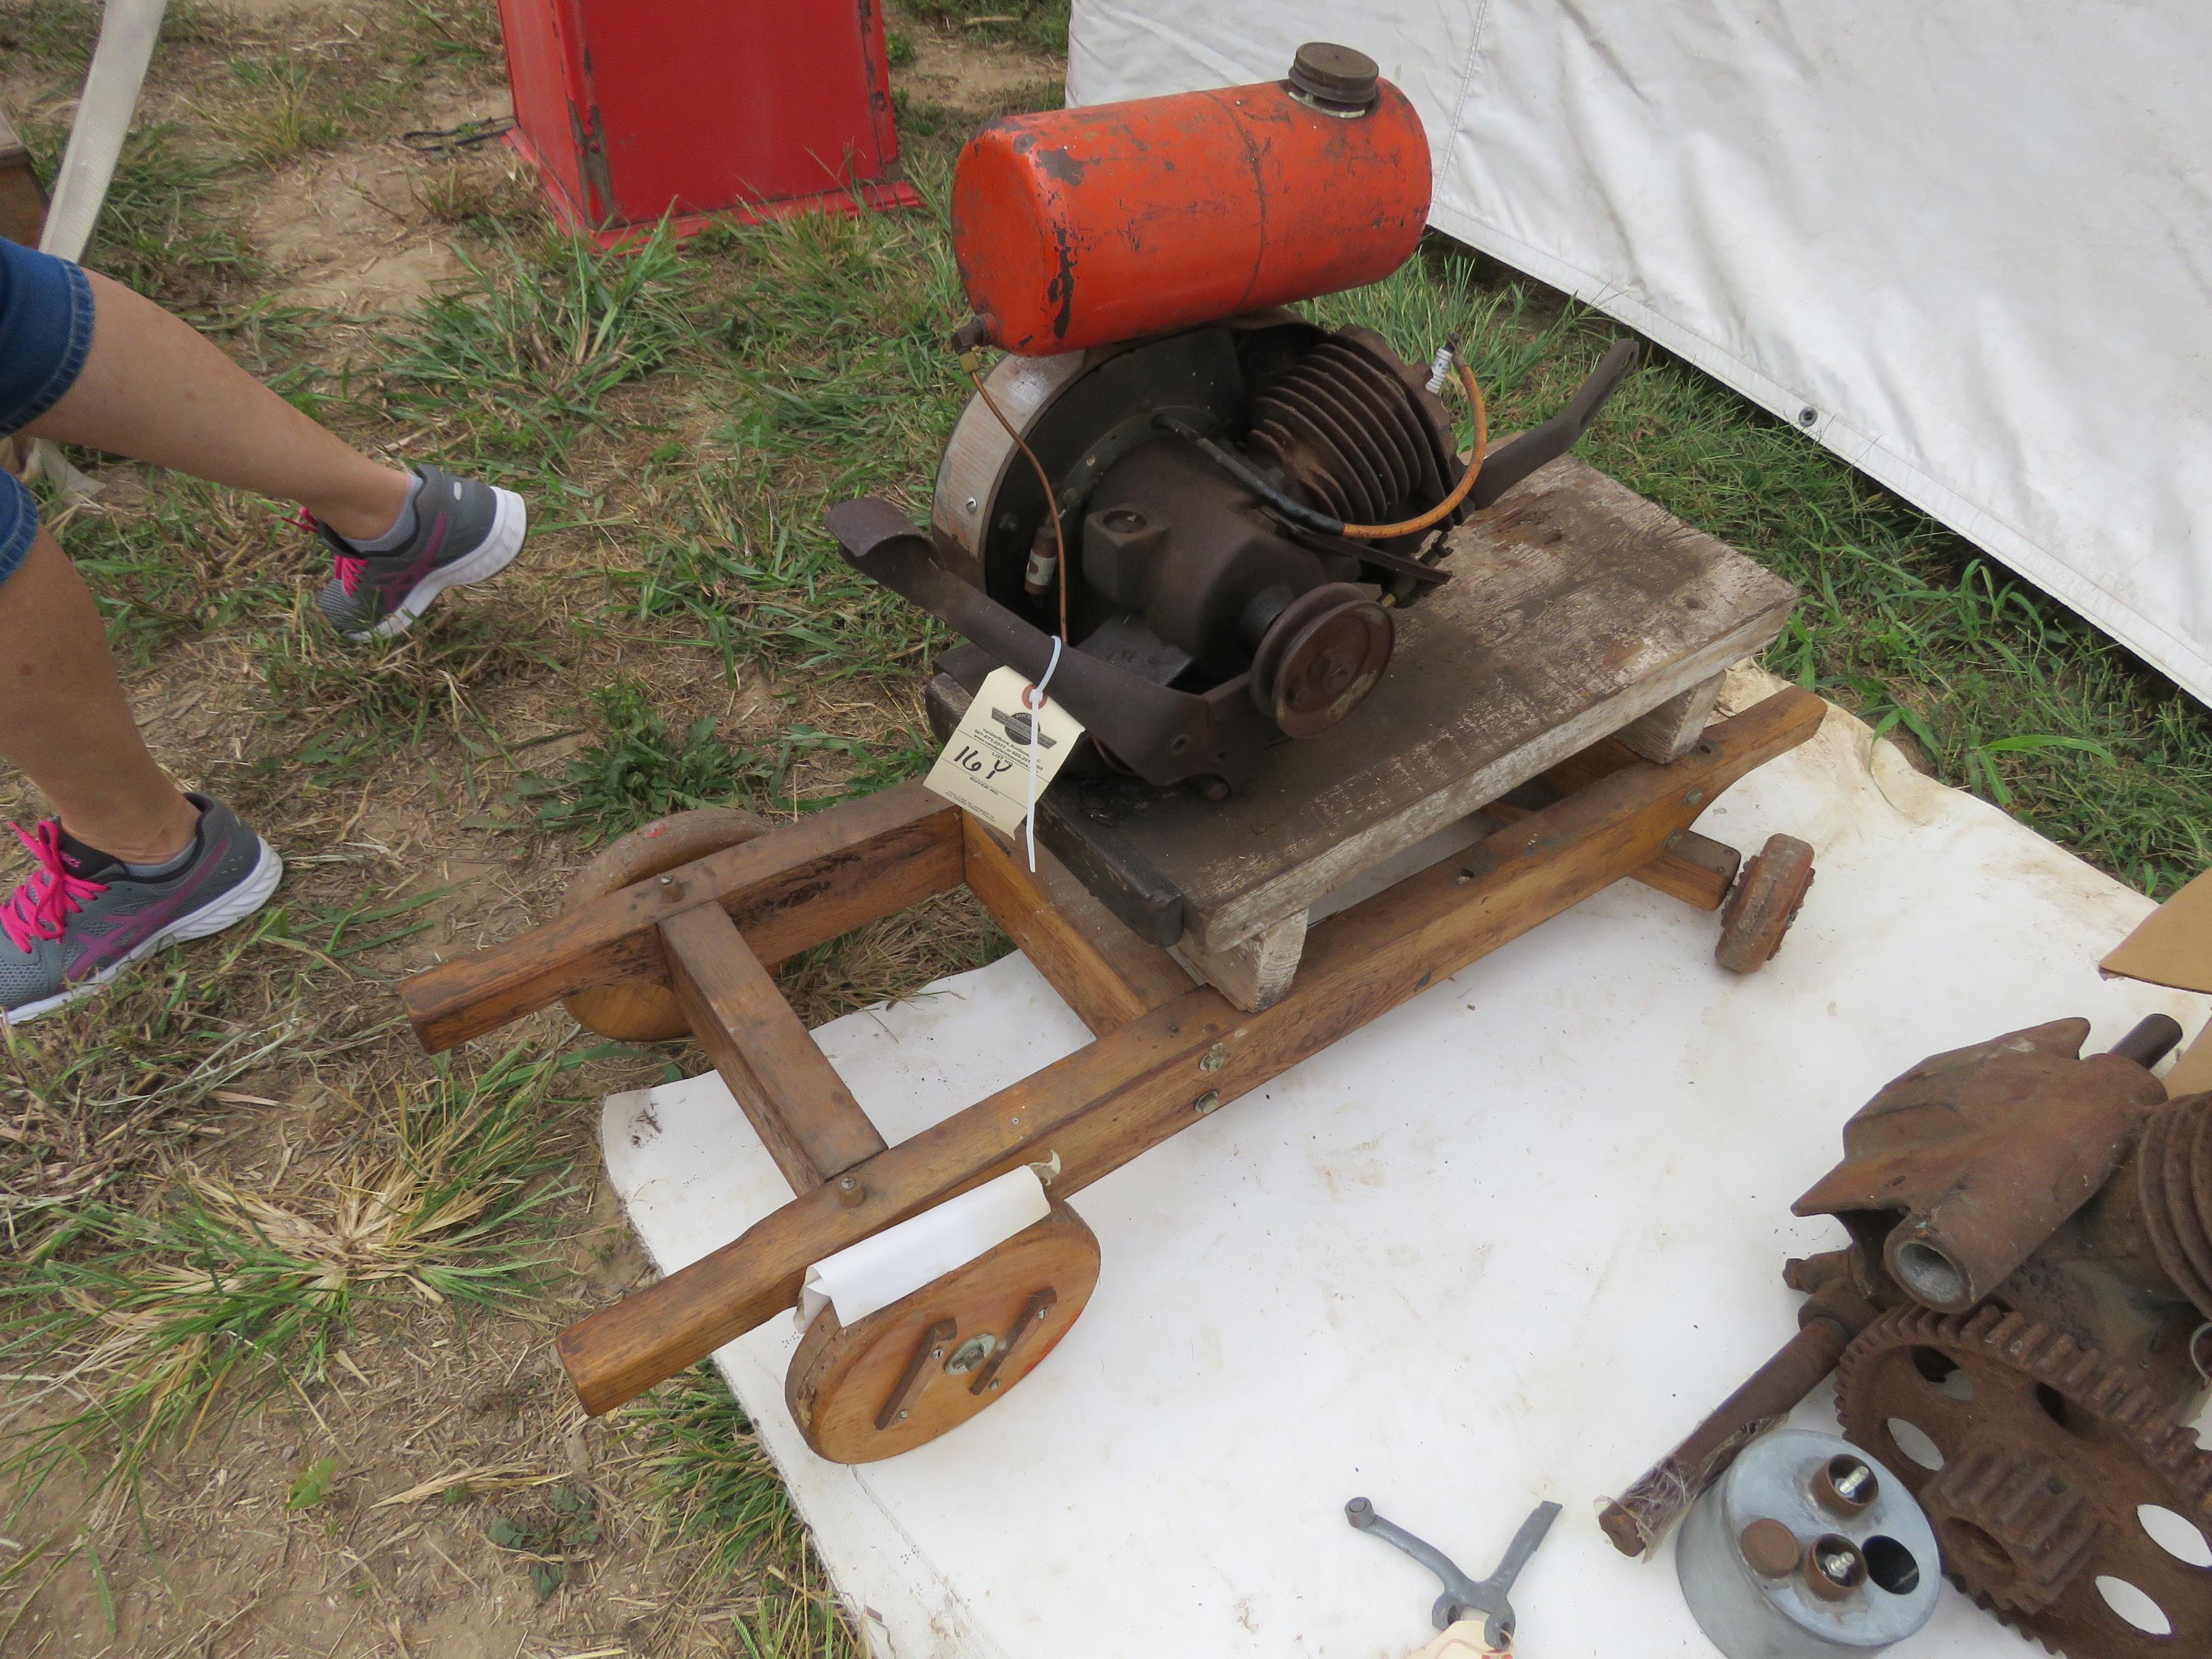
[1576,608]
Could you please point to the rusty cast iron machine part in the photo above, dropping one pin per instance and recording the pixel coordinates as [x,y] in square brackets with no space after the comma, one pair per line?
[2030,1266]
[1807,1549]
[1239,500]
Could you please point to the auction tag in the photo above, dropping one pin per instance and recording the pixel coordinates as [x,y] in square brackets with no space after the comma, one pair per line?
[986,768]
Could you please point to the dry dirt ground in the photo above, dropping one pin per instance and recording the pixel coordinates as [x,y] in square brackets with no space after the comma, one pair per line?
[411,1490]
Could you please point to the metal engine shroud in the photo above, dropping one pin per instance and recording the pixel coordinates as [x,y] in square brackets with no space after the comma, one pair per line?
[1208,622]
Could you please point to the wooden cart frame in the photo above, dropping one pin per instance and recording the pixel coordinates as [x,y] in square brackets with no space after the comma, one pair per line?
[1165,1052]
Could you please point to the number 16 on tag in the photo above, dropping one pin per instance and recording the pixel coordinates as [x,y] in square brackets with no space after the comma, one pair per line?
[986,766]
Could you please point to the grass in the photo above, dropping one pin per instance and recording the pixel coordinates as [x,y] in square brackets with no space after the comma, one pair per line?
[639,768]
[524,358]
[215,1289]
[1039,25]
[718,1488]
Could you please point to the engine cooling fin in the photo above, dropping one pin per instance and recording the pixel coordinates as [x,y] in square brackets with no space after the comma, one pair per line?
[1345,432]
[2175,1175]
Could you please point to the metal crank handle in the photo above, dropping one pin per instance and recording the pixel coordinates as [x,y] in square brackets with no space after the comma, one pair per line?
[1512,462]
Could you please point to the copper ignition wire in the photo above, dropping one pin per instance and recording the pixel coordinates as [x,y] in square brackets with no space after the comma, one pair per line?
[968,361]
[1378,532]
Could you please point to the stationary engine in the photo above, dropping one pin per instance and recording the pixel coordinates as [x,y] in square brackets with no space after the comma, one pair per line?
[1216,505]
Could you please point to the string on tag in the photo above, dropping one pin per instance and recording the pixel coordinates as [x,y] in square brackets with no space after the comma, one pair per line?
[1036,732]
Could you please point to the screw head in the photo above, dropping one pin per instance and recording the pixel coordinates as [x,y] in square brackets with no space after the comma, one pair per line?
[1206,1101]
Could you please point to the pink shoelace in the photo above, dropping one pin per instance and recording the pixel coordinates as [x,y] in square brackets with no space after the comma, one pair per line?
[349,571]
[37,910]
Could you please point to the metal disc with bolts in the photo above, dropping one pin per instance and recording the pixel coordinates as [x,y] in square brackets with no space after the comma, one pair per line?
[1808,1548]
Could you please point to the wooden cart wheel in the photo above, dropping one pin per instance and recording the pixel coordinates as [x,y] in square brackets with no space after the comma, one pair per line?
[643,1012]
[1767,900]
[924,1365]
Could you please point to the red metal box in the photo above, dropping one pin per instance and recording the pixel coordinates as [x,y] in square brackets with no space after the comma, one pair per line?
[631,109]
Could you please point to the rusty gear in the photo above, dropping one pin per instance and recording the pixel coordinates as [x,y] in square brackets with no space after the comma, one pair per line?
[2043,1527]
[2049,1456]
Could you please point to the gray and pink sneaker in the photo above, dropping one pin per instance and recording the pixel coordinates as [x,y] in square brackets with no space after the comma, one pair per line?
[84,916]
[453,532]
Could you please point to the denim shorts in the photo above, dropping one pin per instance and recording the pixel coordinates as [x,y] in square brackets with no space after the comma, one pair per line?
[46,331]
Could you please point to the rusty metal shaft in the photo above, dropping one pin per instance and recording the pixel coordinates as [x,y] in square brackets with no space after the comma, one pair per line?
[1641,1515]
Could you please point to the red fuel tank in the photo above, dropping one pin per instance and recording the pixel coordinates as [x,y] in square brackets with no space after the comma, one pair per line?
[1087,227]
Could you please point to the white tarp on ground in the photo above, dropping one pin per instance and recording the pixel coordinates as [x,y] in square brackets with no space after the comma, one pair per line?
[1973,240]
[1509,1243]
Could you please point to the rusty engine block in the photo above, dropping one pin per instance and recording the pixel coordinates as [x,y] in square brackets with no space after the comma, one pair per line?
[2020,1327]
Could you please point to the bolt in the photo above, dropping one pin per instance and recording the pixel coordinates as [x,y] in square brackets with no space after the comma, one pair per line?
[850,1192]
[937,1353]
[1807,415]
[1215,1059]
[1693,798]
[1206,1101]
[1042,1312]
[1846,1485]
[902,1417]
[1834,1568]
[971,503]
[969,1354]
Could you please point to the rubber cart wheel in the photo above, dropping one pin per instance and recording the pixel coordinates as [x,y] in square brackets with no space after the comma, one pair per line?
[924,1365]
[1765,901]
[642,1011]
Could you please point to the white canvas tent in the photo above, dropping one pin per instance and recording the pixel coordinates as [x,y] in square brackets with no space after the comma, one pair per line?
[1968,248]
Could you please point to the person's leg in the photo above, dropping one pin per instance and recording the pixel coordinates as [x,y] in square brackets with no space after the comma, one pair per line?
[131,865]
[156,390]
[66,724]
